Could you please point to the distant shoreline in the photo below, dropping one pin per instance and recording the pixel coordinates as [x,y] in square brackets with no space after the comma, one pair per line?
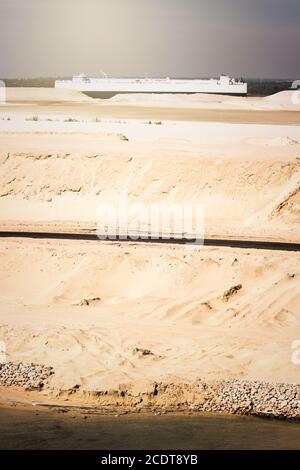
[221,397]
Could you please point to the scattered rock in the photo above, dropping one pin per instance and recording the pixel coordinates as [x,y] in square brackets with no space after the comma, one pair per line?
[276,400]
[207,304]
[232,291]
[88,302]
[142,352]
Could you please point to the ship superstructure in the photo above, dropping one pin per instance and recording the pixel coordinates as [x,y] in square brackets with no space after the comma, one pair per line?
[112,86]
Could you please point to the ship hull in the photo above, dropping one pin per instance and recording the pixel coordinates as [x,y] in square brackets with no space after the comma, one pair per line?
[111,87]
[108,94]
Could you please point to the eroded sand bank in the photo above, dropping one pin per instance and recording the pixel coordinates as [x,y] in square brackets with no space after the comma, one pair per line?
[90,310]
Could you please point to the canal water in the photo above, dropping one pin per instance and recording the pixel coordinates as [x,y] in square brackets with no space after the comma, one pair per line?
[23,429]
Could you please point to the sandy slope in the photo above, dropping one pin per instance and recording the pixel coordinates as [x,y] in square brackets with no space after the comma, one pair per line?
[49,104]
[91,309]
[48,95]
[250,182]
[288,100]
[84,308]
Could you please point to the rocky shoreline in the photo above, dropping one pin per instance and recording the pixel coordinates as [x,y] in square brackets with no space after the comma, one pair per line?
[254,398]
[28,376]
[242,397]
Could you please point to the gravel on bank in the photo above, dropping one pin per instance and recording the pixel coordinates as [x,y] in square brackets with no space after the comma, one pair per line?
[277,400]
[28,376]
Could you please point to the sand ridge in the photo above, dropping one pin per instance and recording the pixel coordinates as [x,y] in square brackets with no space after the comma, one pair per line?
[108,314]
[94,305]
[47,95]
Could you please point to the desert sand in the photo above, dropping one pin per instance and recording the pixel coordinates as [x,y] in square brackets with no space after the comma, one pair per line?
[52,105]
[85,307]
[46,95]
[108,314]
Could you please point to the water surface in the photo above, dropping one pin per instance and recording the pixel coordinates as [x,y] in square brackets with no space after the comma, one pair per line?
[23,429]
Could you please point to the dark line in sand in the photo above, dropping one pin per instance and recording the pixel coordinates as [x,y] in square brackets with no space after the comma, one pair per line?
[214,242]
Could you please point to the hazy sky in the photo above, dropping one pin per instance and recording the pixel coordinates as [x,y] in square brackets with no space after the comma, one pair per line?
[250,38]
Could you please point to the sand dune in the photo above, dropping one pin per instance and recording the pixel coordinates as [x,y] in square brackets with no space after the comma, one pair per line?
[178,100]
[287,99]
[21,95]
[107,314]
[88,309]
[70,106]
[246,182]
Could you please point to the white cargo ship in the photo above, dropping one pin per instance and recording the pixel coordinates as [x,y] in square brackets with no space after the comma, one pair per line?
[112,86]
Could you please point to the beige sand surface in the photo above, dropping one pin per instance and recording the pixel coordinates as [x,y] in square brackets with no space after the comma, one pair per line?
[85,307]
[28,94]
[288,100]
[95,112]
[285,99]
[249,183]
[88,308]
[63,105]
